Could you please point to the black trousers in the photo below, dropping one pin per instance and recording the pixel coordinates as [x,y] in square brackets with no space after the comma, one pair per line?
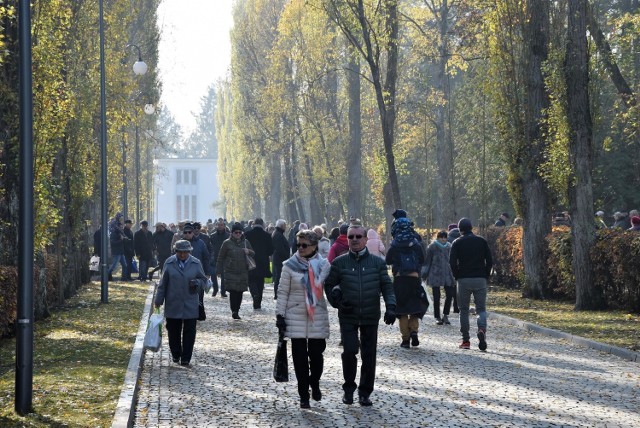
[256,288]
[450,293]
[277,272]
[369,344]
[129,260]
[308,363]
[235,300]
[182,337]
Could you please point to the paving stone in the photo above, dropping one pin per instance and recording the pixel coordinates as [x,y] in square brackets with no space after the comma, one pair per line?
[524,379]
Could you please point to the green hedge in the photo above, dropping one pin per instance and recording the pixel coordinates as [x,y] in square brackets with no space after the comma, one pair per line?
[614,259]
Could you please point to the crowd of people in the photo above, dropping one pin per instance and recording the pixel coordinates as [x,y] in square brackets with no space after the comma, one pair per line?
[621,220]
[311,268]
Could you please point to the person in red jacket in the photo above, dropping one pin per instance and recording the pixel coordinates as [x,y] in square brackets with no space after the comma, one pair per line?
[341,245]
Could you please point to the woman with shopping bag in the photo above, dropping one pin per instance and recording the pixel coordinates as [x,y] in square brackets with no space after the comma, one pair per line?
[182,279]
[302,313]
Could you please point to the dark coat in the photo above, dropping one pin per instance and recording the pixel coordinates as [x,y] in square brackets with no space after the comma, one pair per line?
[128,243]
[97,240]
[201,253]
[362,278]
[470,257]
[116,239]
[339,247]
[281,249]
[143,244]
[173,290]
[217,238]
[162,243]
[233,262]
[263,247]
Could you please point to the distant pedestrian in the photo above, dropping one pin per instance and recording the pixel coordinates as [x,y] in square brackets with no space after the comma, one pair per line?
[599,220]
[354,285]
[263,246]
[635,223]
[292,236]
[232,261]
[621,221]
[182,280]
[374,243]
[143,245]
[341,244]
[502,220]
[162,238]
[333,235]
[323,242]
[129,251]
[281,251]
[453,232]
[116,239]
[220,235]
[302,313]
[471,264]
[437,273]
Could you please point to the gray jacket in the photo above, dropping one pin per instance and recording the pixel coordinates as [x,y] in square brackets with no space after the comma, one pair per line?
[437,270]
[173,290]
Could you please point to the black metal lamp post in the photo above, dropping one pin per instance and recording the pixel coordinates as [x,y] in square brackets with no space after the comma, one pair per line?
[104,256]
[125,189]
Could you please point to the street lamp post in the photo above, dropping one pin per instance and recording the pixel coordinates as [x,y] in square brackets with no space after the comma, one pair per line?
[125,190]
[104,257]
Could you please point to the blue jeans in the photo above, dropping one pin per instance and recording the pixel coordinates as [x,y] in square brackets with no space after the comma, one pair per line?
[123,262]
[478,288]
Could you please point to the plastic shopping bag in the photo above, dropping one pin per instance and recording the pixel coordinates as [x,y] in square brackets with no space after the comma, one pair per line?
[94,264]
[208,285]
[153,337]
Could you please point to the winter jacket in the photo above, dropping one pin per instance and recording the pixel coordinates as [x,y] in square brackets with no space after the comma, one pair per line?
[233,262]
[453,235]
[143,244]
[162,243]
[397,249]
[128,243]
[173,290]
[201,253]
[217,238]
[263,246]
[292,303]
[362,278]
[281,249]
[292,236]
[470,257]
[116,239]
[374,244]
[338,248]
[437,268]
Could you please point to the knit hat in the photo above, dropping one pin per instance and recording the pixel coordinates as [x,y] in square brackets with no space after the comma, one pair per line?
[452,226]
[237,226]
[635,220]
[183,245]
[465,225]
[505,215]
[399,214]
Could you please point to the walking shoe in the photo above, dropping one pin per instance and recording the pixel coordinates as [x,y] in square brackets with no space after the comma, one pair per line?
[215,290]
[445,320]
[304,404]
[347,398]
[235,316]
[414,338]
[465,345]
[184,363]
[223,294]
[364,400]
[439,321]
[316,394]
[405,344]
[176,360]
[482,337]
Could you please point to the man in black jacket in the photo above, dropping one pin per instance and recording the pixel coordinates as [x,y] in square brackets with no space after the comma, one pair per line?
[128,248]
[162,238]
[281,252]
[263,247]
[354,285]
[143,245]
[471,263]
[220,235]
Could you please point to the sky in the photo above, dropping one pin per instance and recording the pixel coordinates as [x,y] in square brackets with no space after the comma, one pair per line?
[194,50]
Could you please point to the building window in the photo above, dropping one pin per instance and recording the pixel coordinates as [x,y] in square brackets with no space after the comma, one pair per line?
[194,176]
[187,214]
[178,207]
[194,206]
[178,176]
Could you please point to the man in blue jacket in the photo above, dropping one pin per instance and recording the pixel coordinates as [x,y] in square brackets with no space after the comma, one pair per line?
[471,263]
[354,285]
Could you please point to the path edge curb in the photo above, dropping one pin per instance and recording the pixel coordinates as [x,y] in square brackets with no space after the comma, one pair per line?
[623,353]
[125,409]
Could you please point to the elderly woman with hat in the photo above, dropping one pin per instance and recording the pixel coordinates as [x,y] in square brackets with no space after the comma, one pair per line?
[182,279]
[232,261]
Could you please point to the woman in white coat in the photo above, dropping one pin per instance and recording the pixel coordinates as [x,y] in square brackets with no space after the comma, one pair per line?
[302,313]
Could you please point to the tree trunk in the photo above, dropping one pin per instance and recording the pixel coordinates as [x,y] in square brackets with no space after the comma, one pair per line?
[274,195]
[354,157]
[536,201]
[289,203]
[588,296]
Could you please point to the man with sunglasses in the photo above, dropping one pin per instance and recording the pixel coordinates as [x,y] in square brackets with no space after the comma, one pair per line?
[354,285]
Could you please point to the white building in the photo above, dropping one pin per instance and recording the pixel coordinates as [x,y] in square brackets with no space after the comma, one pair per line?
[186,189]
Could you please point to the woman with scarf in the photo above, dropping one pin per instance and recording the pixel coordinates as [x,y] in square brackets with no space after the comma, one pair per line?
[302,313]
[437,273]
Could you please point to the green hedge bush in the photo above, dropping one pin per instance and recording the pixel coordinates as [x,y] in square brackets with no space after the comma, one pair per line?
[614,260]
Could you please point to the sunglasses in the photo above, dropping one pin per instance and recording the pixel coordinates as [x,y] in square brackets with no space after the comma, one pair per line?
[303,245]
[354,236]
[187,232]
[237,232]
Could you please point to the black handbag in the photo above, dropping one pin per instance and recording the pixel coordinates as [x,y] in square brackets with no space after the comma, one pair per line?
[281,365]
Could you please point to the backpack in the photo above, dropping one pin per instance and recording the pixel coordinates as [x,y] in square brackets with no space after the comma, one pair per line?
[405,259]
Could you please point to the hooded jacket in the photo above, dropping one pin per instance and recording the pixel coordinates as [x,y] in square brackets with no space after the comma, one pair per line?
[338,248]
[374,244]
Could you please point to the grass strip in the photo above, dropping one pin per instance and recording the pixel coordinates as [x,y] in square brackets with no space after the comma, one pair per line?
[614,327]
[81,355]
